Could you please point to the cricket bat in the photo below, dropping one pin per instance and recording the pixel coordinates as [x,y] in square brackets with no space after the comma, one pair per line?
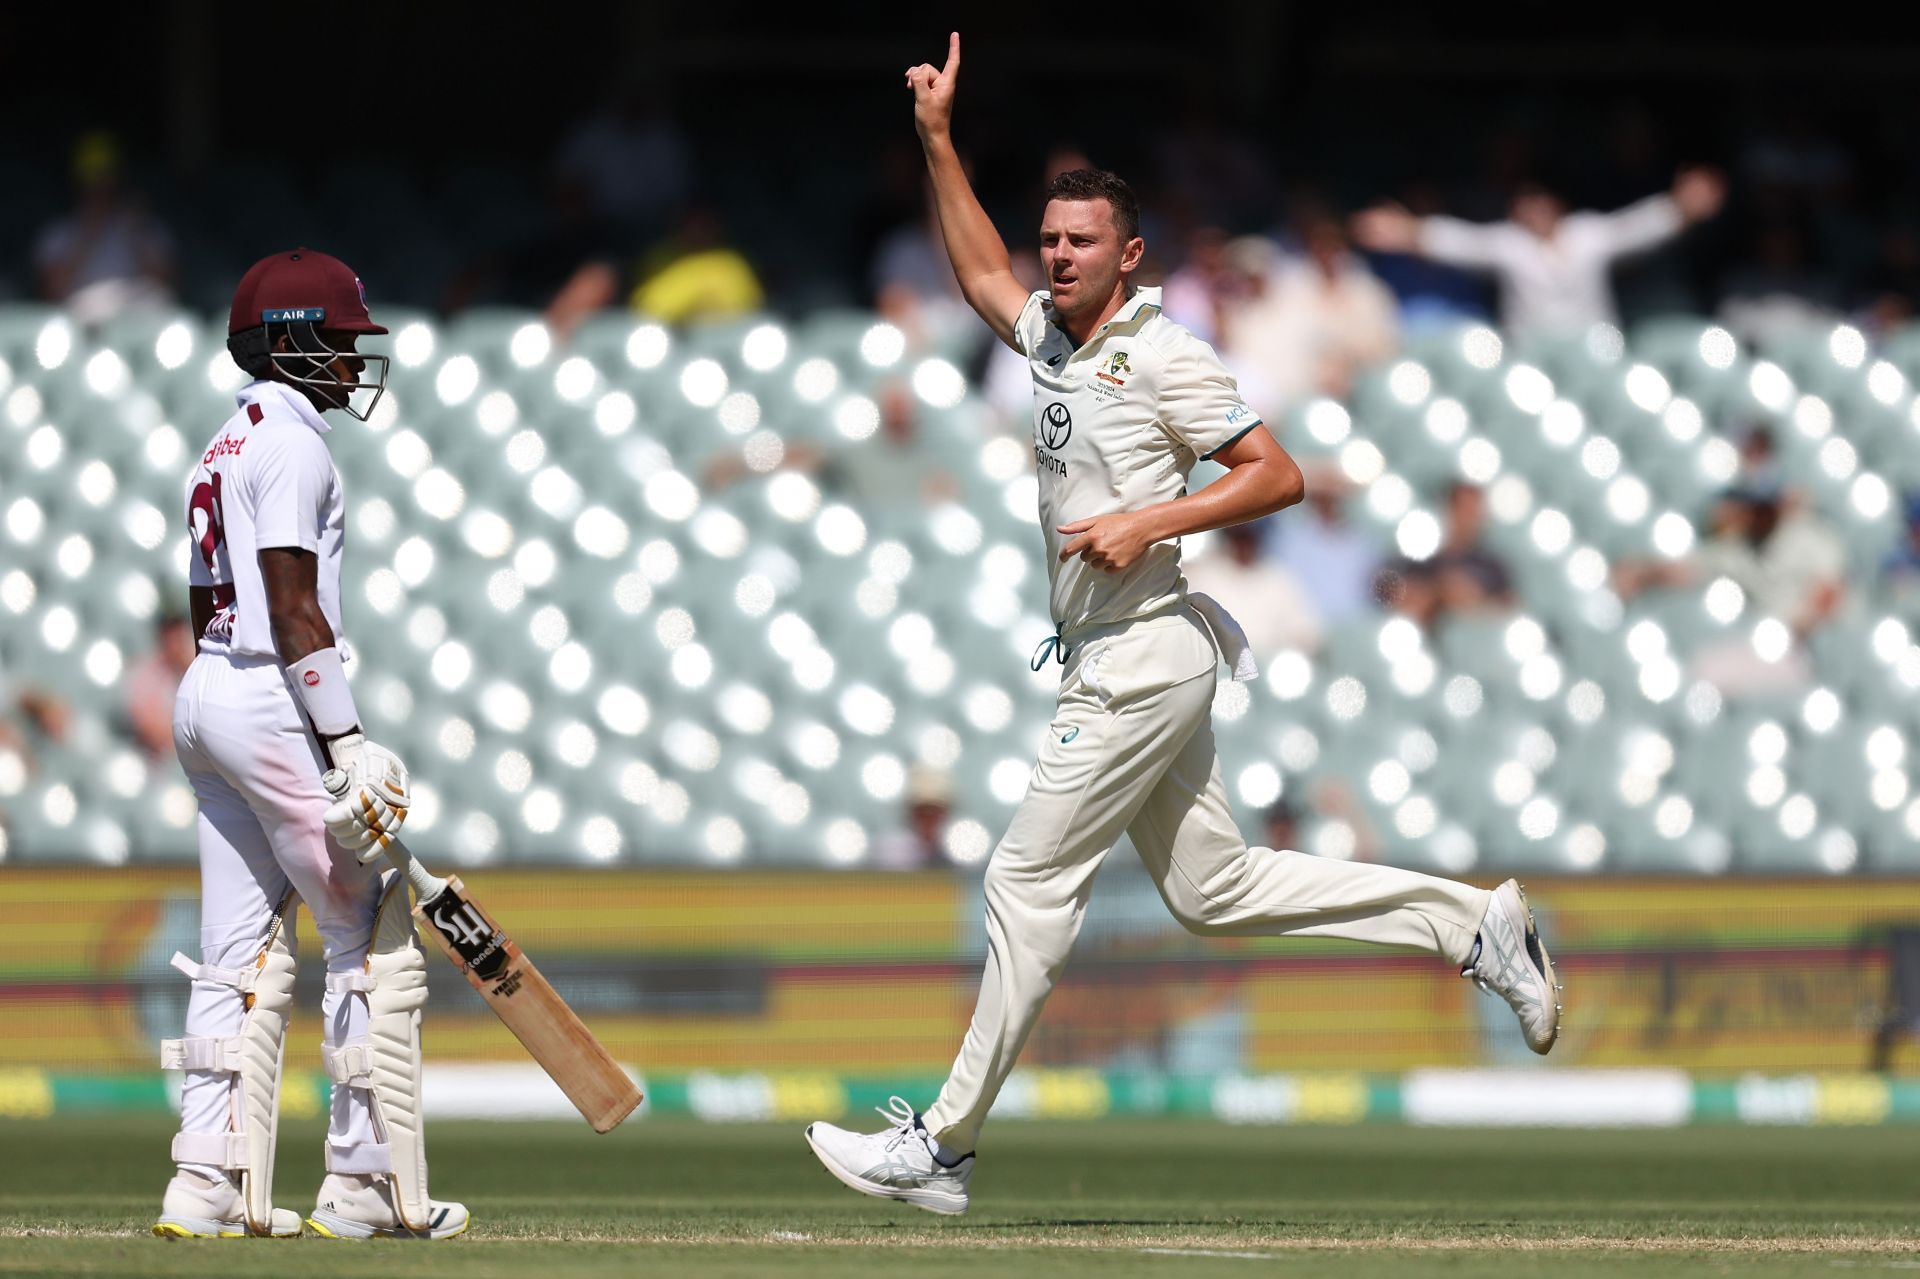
[552,1033]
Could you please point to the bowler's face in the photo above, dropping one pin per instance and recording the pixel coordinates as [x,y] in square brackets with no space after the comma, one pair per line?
[1081,252]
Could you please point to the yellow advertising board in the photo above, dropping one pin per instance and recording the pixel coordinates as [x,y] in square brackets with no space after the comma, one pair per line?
[874,973]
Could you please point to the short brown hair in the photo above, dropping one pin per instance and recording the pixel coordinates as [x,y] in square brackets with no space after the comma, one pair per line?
[1098,184]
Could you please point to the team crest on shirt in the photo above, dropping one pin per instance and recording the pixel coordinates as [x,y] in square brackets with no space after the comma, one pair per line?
[1112,377]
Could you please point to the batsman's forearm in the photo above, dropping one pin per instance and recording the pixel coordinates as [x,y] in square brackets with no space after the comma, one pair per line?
[973,246]
[300,632]
[1247,492]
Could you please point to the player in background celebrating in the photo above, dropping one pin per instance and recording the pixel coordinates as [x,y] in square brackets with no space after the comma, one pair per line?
[262,712]
[1125,401]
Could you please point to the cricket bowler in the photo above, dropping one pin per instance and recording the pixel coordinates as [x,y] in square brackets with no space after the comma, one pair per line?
[263,711]
[1125,401]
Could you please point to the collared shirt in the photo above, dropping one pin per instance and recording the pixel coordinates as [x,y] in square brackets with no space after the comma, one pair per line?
[265,480]
[1117,424]
[1558,285]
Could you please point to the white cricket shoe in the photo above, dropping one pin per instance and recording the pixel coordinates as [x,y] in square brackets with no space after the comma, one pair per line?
[895,1164]
[357,1207]
[1510,962]
[195,1208]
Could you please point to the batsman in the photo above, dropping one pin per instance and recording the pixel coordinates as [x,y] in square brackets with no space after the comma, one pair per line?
[262,712]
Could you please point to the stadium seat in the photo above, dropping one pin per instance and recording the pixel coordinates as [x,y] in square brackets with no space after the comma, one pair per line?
[538,517]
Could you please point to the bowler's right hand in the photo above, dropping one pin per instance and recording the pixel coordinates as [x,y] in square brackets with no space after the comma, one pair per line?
[933,91]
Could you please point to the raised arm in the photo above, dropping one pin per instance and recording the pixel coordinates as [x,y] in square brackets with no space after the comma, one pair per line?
[979,256]
[1696,196]
[1390,228]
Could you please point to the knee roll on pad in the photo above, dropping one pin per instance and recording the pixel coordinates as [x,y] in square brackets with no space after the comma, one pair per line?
[387,1065]
[254,1059]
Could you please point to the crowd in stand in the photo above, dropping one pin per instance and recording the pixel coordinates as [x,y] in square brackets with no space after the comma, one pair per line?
[1298,298]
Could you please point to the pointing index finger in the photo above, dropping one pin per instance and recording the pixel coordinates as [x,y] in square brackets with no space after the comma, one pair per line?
[953,54]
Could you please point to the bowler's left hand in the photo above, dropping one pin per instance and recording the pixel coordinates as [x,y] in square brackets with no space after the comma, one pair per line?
[1111,542]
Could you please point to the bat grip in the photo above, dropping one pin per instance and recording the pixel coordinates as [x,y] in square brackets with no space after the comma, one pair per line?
[425,885]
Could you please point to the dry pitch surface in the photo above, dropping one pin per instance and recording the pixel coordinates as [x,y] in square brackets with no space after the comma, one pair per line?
[1108,1199]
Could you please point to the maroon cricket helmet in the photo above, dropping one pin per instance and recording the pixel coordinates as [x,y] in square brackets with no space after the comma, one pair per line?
[301,286]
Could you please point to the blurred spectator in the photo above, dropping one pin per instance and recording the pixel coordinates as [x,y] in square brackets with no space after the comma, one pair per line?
[1805,562]
[1282,826]
[1463,576]
[694,275]
[1788,560]
[1311,322]
[1339,824]
[630,159]
[913,283]
[697,275]
[1007,381]
[894,467]
[1788,563]
[1471,577]
[24,707]
[109,254]
[1197,293]
[921,843]
[1263,594]
[1333,559]
[527,268]
[1552,264]
[1893,297]
[1900,571]
[1432,295]
[152,681]
[1759,464]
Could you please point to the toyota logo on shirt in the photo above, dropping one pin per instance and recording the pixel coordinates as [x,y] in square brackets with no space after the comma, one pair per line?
[1056,426]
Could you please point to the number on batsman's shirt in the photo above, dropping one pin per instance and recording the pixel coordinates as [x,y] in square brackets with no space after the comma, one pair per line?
[265,480]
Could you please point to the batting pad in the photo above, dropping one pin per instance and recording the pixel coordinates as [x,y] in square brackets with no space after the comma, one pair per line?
[254,1059]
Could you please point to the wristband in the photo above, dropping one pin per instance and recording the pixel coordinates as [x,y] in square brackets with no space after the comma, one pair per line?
[320,682]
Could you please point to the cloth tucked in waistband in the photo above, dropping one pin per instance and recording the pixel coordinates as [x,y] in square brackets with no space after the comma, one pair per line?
[1227,633]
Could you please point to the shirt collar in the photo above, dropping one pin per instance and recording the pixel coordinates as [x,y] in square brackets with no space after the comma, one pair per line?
[268,393]
[1142,304]
[1134,306]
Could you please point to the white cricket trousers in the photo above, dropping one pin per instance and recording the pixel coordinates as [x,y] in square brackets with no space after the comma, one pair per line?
[256,772]
[1131,749]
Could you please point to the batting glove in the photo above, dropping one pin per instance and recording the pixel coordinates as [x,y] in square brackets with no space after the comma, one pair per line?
[370,796]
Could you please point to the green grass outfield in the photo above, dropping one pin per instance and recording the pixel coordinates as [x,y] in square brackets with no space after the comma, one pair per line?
[1116,1198]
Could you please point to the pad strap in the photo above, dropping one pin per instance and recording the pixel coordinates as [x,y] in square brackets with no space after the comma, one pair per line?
[350,1064]
[216,1149]
[354,979]
[240,979]
[371,1157]
[202,1053]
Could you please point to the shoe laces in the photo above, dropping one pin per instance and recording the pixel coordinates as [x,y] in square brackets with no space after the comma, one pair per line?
[900,1115]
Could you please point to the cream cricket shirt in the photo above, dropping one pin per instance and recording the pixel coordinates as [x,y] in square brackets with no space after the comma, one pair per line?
[1117,425]
[265,480]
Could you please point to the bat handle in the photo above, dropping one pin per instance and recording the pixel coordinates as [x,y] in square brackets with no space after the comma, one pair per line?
[425,885]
